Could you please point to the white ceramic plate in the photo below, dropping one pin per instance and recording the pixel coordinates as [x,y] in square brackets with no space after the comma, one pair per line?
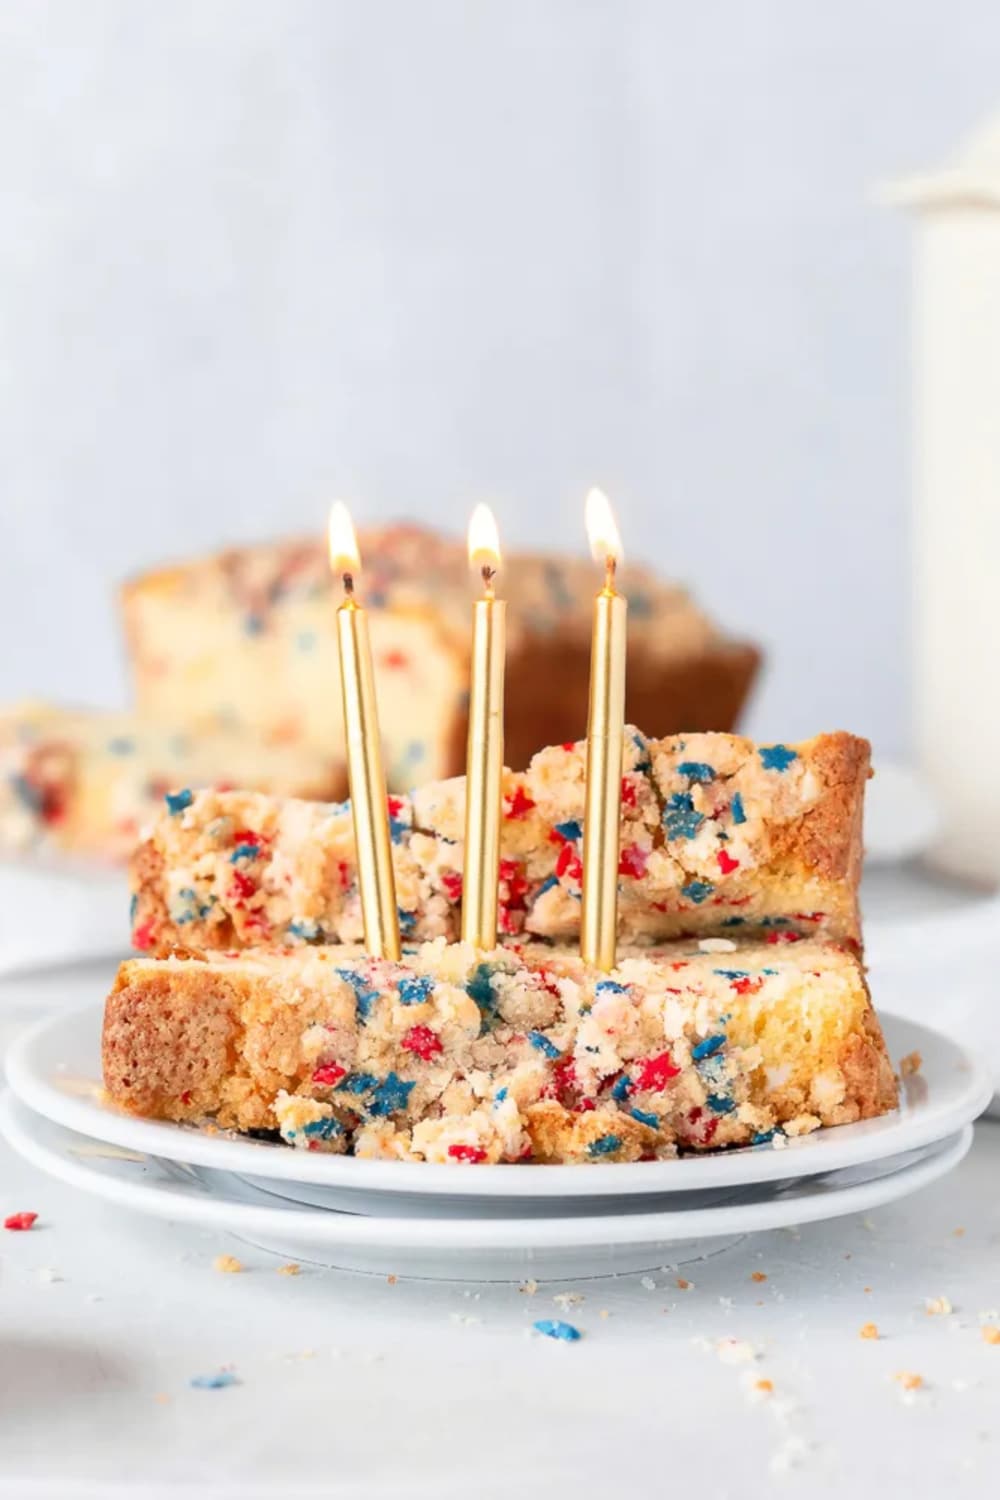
[450,1248]
[55,1069]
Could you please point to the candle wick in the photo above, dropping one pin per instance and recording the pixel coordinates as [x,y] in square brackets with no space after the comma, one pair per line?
[610,568]
[488,574]
[349,585]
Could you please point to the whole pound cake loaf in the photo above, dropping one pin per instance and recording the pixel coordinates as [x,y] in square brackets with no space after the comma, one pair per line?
[84,782]
[245,640]
[522,1054]
[718,835]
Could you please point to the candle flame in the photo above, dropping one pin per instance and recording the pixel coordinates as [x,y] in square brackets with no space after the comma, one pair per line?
[484,540]
[343,544]
[602,529]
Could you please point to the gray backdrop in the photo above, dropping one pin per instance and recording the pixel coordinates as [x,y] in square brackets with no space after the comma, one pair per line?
[258,253]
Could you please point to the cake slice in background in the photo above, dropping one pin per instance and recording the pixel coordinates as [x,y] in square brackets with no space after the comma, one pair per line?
[520,1054]
[718,835]
[84,782]
[245,641]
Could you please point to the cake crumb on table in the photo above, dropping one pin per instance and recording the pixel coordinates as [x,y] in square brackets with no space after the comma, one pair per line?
[868,1331]
[991,1333]
[227,1264]
[758,1275]
[937,1306]
[909,1380]
[684,1285]
[910,1064]
[529,1288]
[292,1268]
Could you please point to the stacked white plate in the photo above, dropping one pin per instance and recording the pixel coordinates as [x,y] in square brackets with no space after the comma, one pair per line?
[478,1222]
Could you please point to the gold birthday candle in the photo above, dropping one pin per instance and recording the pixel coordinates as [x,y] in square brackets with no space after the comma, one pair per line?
[484,756]
[605,732]
[376,879]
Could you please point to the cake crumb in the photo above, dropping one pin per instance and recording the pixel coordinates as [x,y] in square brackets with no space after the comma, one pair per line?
[991,1334]
[228,1264]
[958,1232]
[866,1289]
[604,1313]
[937,1306]
[758,1275]
[735,1351]
[568,1299]
[868,1331]
[910,1064]
[291,1268]
[766,1387]
[683,1285]
[163,1398]
[392,1278]
[529,1288]
[908,1380]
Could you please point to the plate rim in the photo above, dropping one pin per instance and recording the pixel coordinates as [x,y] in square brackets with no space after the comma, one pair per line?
[167,1200]
[842,1145]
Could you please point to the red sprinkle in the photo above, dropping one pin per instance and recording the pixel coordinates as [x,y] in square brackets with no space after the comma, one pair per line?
[519,804]
[144,935]
[656,1072]
[467,1153]
[395,659]
[628,792]
[632,861]
[569,863]
[186,1097]
[247,836]
[784,937]
[451,884]
[808,916]
[747,985]
[423,1041]
[19,1221]
[726,862]
[244,885]
[568,745]
[329,1074]
[396,806]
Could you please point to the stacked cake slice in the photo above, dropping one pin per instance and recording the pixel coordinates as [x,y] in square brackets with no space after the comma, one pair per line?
[737,1012]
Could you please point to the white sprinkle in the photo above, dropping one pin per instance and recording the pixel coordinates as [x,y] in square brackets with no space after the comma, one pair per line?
[717,945]
[568,1299]
[648,1283]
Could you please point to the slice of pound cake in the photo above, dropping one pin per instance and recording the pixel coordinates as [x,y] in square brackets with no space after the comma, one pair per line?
[520,1054]
[717,834]
[86,781]
[245,640]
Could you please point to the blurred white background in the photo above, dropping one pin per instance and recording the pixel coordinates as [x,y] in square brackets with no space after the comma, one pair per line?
[258,253]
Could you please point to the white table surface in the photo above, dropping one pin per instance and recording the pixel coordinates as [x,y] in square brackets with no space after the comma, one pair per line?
[353,1386]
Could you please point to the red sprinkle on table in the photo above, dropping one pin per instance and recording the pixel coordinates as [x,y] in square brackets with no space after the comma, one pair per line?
[19,1221]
